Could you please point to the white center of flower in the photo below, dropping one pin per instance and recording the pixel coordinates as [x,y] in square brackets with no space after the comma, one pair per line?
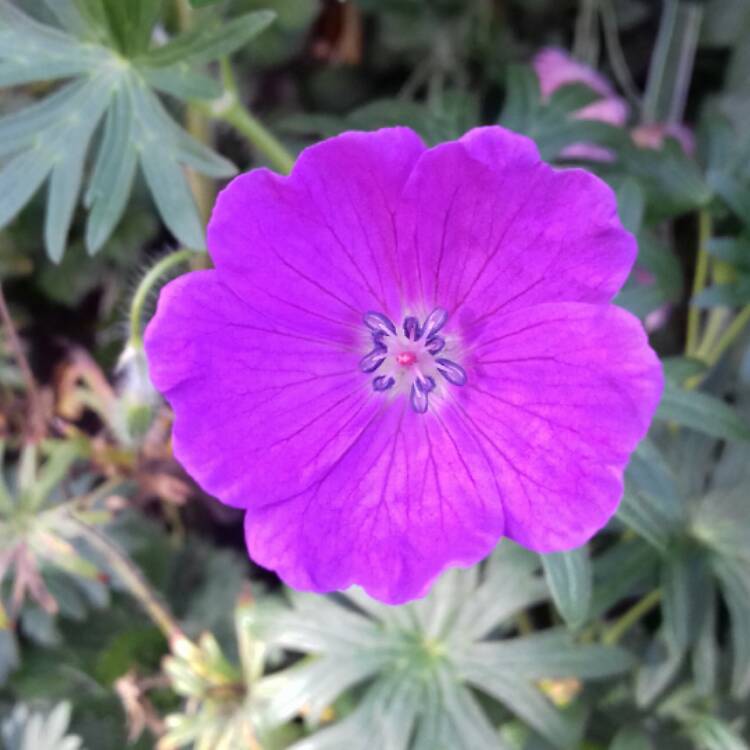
[408,359]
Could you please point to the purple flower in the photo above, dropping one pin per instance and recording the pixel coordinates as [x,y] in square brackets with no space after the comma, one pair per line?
[555,68]
[405,354]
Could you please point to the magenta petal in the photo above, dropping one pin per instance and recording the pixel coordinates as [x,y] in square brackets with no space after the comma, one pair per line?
[320,242]
[559,395]
[403,355]
[259,412]
[414,494]
[485,226]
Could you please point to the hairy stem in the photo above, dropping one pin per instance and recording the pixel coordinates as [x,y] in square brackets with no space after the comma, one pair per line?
[699,281]
[36,425]
[617,630]
[144,288]
[132,577]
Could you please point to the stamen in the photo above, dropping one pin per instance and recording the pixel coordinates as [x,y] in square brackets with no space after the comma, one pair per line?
[418,399]
[379,324]
[452,372]
[435,344]
[412,329]
[408,364]
[383,382]
[370,362]
[425,384]
[435,321]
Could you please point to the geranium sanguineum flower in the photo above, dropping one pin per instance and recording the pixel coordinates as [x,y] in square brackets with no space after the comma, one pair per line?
[405,354]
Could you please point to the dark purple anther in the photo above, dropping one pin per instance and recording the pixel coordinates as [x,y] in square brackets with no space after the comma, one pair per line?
[412,329]
[406,363]
[452,372]
[435,321]
[370,362]
[435,344]
[379,324]
[425,384]
[418,399]
[383,382]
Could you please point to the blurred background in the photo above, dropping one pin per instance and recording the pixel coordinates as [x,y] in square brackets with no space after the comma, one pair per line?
[130,615]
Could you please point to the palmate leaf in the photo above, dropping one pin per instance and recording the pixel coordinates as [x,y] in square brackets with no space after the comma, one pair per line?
[424,665]
[49,141]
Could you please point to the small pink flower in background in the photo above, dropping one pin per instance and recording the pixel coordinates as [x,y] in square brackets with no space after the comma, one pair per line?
[653,136]
[555,68]
[405,354]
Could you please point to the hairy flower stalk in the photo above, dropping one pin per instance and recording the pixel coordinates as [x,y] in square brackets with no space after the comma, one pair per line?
[405,354]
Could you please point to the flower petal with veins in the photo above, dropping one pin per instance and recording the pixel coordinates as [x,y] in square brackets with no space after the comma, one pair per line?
[405,354]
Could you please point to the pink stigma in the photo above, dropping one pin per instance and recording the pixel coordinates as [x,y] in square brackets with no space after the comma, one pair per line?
[406,359]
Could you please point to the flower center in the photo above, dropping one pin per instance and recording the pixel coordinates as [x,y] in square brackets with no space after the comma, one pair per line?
[410,358]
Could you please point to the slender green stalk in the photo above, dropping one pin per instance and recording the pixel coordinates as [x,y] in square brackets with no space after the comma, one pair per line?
[616,55]
[256,133]
[230,109]
[145,286]
[658,68]
[586,40]
[699,281]
[617,630]
[728,337]
[132,577]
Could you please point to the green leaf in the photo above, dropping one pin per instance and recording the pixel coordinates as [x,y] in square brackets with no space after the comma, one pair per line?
[627,569]
[680,369]
[631,204]
[724,295]
[735,584]
[656,672]
[164,177]
[651,504]
[705,654]
[67,175]
[631,739]
[701,412]
[734,250]
[712,733]
[9,657]
[568,576]
[685,581]
[205,45]
[114,172]
[20,178]
[180,81]
[525,702]
[550,654]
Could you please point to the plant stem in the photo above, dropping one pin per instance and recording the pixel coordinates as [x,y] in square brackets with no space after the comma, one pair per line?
[616,55]
[727,339]
[699,281]
[145,286]
[230,109]
[617,630]
[36,426]
[256,133]
[586,41]
[132,577]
